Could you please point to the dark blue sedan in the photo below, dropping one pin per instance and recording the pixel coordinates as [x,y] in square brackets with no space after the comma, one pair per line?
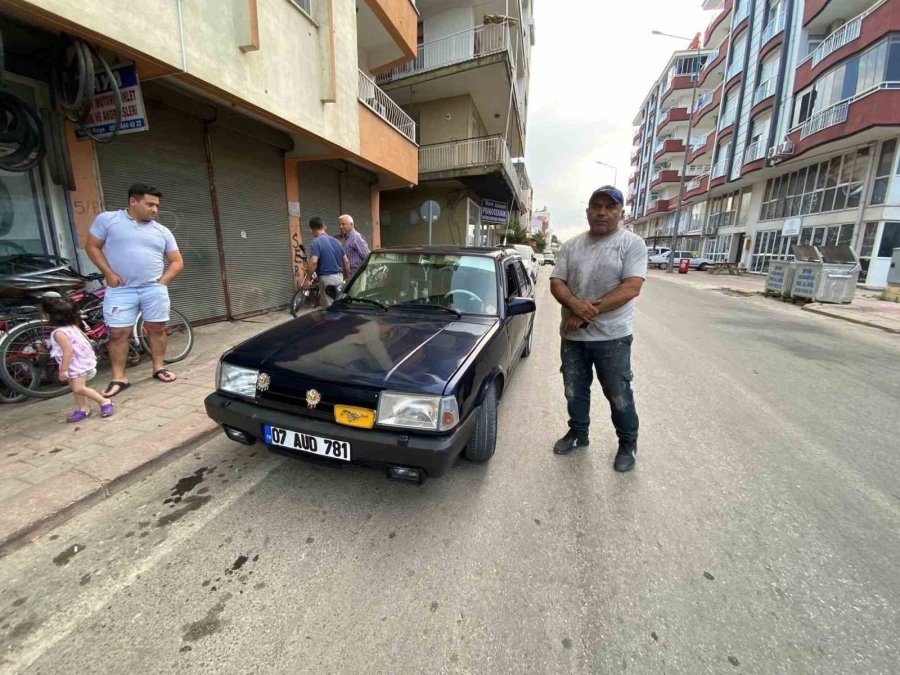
[403,372]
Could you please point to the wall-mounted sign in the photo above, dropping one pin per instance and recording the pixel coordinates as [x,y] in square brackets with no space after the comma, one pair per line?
[102,116]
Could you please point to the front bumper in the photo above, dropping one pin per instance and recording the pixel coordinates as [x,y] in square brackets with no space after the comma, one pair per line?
[370,447]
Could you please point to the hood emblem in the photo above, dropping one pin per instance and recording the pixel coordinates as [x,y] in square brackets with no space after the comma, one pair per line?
[312,398]
[263,382]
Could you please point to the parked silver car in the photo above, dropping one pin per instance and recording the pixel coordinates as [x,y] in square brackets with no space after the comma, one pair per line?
[697,262]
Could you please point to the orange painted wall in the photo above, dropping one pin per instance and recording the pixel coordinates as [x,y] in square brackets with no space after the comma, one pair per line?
[385,147]
[87,198]
[400,19]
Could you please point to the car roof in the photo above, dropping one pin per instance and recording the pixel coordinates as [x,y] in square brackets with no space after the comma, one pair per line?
[486,251]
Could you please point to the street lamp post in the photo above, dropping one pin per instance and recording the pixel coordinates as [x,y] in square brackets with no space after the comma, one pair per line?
[615,171]
[695,77]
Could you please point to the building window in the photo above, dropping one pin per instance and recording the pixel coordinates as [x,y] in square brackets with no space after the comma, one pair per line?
[828,186]
[719,248]
[830,235]
[883,173]
[770,245]
[890,239]
[867,245]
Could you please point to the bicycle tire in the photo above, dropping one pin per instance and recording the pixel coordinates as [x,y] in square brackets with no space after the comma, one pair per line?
[18,367]
[30,341]
[179,320]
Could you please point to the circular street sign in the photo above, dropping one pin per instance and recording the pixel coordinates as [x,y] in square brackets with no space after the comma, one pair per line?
[430,211]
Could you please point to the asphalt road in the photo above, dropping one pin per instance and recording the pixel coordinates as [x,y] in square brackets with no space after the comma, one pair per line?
[757,534]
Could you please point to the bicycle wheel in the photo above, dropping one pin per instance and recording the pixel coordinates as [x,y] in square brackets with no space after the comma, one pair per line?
[22,371]
[31,342]
[179,333]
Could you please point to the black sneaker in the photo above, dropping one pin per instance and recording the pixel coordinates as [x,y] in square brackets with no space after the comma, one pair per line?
[569,442]
[625,457]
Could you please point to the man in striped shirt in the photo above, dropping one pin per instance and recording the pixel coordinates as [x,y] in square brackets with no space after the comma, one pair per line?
[355,246]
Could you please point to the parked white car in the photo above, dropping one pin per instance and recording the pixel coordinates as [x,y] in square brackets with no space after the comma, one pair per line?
[528,257]
[696,262]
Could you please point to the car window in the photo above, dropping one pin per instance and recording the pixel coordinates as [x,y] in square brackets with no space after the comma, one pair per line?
[524,280]
[512,281]
[465,283]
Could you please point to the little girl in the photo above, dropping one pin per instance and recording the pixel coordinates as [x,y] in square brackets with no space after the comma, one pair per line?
[75,356]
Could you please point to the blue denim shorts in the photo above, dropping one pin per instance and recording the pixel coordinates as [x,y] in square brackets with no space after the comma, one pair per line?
[121,305]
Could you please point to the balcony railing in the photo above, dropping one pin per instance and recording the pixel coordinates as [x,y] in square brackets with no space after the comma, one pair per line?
[736,67]
[836,114]
[764,90]
[704,100]
[754,151]
[846,34]
[727,120]
[776,25]
[371,96]
[742,13]
[720,168]
[698,143]
[710,58]
[457,48]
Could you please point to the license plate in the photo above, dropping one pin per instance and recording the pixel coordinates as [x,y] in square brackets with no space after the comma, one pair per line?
[313,445]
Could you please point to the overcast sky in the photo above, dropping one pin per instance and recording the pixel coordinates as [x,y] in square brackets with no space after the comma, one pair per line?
[591,67]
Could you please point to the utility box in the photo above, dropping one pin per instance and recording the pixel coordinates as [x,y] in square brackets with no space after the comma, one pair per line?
[894,272]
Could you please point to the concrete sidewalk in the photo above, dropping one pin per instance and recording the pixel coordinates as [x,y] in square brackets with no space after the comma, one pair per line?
[865,309]
[49,470]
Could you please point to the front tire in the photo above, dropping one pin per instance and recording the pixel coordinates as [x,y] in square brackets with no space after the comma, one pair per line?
[702,267]
[483,440]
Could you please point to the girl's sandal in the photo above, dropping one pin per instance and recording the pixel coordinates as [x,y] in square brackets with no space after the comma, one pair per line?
[106,410]
[77,416]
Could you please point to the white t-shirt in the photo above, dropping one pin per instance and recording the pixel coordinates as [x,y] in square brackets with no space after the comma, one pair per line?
[591,268]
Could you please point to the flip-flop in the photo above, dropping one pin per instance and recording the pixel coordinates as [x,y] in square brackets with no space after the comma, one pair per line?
[122,386]
[78,416]
[162,374]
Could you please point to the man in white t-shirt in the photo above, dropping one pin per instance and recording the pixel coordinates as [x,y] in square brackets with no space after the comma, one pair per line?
[597,276]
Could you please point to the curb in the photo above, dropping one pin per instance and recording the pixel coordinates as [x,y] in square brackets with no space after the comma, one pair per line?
[58,514]
[815,309]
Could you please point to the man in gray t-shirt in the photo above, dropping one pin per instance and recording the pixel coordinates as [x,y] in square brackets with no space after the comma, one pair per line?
[597,276]
[131,249]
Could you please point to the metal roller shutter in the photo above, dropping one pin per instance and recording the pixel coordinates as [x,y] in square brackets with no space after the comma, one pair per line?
[356,200]
[250,191]
[172,157]
[319,197]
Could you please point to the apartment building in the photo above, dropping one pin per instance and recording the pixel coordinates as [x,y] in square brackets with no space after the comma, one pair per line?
[794,134]
[467,92]
[251,116]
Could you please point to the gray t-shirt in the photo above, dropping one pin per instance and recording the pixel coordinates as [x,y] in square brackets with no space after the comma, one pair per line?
[135,251]
[591,268]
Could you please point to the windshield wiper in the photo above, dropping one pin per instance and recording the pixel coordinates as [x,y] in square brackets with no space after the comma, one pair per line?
[416,305]
[351,298]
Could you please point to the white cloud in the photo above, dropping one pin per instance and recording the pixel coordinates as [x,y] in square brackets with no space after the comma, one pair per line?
[591,68]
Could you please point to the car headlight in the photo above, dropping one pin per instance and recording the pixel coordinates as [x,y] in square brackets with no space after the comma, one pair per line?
[237,380]
[413,411]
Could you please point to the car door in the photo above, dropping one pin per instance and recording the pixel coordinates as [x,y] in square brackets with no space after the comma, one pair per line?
[514,326]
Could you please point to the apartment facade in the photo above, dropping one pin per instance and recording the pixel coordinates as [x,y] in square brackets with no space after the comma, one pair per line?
[467,91]
[794,134]
[251,116]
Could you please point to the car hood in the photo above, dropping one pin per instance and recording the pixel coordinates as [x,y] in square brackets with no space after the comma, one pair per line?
[398,350]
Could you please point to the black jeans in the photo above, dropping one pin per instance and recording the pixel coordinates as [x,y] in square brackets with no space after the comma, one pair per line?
[612,360]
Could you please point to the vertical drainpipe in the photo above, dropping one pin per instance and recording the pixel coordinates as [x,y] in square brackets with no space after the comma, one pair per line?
[213,197]
[782,75]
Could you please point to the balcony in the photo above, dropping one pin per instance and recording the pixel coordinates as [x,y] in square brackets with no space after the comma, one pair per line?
[472,157]
[719,169]
[697,187]
[669,146]
[735,68]
[755,151]
[711,72]
[742,13]
[709,106]
[387,32]
[819,14]
[371,96]
[836,114]
[764,91]
[774,28]
[700,147]
[467,45]
[636,139]
[661,176]
[703,101]
[727,121]
[658,206]
[672,116]
[713,30]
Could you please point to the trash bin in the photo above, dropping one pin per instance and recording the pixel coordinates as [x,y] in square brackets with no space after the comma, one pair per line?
[780,278]
[684,265]
[826,274]
[840,274]
[807,272]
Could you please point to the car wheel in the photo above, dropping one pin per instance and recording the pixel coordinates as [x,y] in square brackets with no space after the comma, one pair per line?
[663,266]
[484,436]
[702,267]
[526,350]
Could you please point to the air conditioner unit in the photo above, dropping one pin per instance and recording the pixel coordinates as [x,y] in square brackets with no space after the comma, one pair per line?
[781,151]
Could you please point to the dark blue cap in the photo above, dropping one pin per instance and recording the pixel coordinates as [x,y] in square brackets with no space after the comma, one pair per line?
[612,192]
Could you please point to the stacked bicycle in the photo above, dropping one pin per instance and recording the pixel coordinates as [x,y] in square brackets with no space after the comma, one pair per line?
[26,367]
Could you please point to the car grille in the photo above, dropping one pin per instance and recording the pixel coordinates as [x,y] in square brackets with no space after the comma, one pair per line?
[289,395]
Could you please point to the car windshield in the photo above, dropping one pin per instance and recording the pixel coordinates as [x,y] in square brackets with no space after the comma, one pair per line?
[461,283]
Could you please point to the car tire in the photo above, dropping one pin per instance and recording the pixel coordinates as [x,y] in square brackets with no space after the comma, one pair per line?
[702,267]
[526,350]
[663,266]
[483,440]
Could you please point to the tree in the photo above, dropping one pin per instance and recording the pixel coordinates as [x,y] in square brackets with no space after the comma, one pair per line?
[554,239]
[515,233]
[540,241]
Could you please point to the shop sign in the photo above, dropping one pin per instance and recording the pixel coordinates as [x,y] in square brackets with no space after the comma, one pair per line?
[494,212]
[102,115]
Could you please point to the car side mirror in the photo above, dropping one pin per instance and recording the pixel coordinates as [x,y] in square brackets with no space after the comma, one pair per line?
[518,306]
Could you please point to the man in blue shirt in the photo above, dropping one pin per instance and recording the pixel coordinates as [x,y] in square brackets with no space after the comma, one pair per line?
[328,260]
[131,250]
